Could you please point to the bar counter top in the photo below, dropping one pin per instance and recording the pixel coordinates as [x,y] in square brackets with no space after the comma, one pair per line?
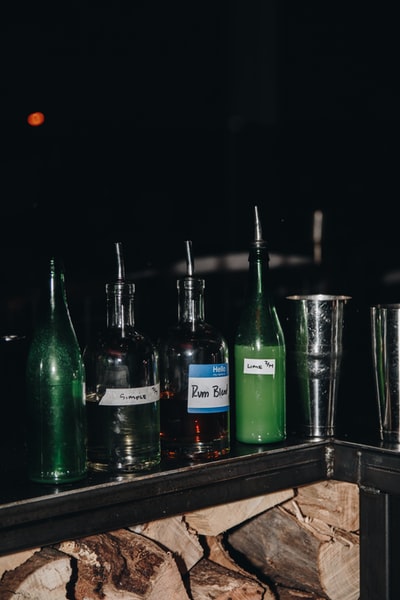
[34,515]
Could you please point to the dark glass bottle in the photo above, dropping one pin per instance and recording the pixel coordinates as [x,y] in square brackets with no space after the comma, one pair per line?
[123,389]
[260,356]
[194,377]
[55,391]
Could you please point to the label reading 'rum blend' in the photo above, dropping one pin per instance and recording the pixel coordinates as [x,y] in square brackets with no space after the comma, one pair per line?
[208,388]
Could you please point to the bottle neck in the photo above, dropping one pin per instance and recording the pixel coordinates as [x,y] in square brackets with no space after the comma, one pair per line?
[53,301]
[57,291]
[120,305]
[53,311]
[258,271]
[190,300]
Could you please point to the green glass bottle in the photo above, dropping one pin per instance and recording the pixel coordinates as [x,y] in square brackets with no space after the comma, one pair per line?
[259,356]
[55,390]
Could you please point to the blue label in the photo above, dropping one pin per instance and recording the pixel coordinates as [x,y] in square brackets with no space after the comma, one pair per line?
[219,370]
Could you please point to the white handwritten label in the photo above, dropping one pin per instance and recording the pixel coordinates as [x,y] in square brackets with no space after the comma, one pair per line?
[131,396]
[259,366]
[208,388]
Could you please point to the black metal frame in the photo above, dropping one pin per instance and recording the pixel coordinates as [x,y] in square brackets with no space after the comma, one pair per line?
[33,515]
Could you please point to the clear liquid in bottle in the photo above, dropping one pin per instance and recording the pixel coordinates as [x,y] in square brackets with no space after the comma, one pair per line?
[123,390]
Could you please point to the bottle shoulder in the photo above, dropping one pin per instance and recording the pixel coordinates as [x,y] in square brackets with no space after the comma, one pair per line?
[50,336]
[259,310]
[114,360]
[202,332]
[54,362]
[113,339]
[182,346]
[259,324]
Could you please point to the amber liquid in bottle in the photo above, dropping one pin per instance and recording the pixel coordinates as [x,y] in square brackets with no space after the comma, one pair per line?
[194,378]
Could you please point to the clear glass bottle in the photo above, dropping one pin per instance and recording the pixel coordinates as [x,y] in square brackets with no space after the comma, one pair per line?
[55,391]
[260,356]
[194,377]
[123,389]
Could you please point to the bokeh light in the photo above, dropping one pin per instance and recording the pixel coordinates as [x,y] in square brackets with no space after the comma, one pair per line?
[35,119]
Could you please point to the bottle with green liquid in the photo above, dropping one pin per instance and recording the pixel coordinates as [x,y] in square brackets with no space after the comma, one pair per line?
[259,356]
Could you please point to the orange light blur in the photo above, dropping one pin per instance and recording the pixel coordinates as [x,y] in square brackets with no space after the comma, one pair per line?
[35,119]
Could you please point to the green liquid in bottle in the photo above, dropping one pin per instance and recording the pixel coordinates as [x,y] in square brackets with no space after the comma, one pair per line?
[260,356]
[260,396]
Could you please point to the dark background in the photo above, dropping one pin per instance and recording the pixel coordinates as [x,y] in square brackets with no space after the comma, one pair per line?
[170,121]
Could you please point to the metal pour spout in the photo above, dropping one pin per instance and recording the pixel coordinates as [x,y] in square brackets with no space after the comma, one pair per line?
[258,238]
[189,259]
[120,262]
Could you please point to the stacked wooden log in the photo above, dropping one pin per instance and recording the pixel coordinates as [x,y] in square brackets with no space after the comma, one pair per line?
[316,533]
[290,545]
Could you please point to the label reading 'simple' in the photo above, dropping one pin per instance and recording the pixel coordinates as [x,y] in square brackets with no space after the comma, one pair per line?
[130,396]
